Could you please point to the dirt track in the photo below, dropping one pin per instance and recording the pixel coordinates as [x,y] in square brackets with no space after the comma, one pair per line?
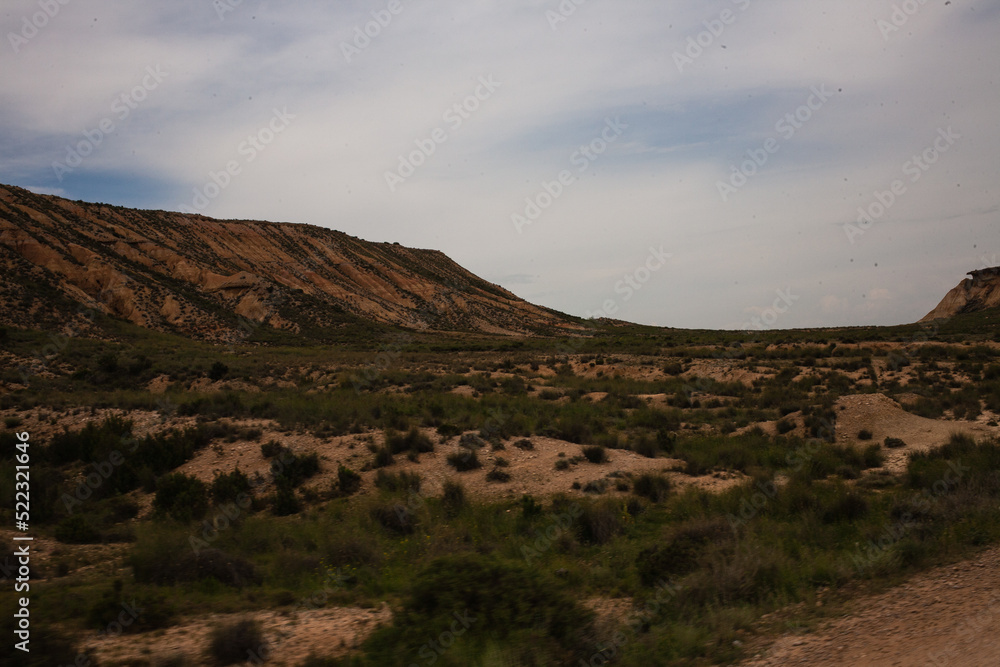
[949,616]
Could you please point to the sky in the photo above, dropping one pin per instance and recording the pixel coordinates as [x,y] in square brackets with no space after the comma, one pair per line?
[732,164]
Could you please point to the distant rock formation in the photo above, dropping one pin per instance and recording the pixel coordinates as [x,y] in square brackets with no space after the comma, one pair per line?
[979,292]
[208,279]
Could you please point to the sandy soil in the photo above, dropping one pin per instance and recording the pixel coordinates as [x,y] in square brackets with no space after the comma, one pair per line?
[532,471]
[947,617]
[883,417]
[290,636]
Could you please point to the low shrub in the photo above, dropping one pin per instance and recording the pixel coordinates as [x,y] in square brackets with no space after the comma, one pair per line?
[231,644]
[383,458]
[230,486]
[397,482]
[464,461]
[180,497]
[395,518]
[218,371]
[601,521]
[271,448]
[682,550]
[412,441]
[453,498]
[348,481]
[295,468]
[77,529]
[530,508]
[847,506]
[497,475]
[655,488]
[152,564]
[472,442]
[784,426]
[285,502]
[489,600]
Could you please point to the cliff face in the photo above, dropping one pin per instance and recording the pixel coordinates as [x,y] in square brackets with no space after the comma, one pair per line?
[209,278]
[979,292]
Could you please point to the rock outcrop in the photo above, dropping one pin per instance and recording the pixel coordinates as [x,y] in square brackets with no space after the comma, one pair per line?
[979,292]
[214,279]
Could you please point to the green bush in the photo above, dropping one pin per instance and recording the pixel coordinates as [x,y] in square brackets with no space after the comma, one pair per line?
[77,529]
[285,502]
[129,612]
[846,461]
[488,600]
[530,508]
[166,562]
[471,441]
[111,442]
[872,457]
[230,486]
[49,646]
[395,518]
[453,498]
[497,475]
[398,482]
[463,461]
[95,441]
[413,441]
[784,426]
[820,422]
[180,497]
[348,481]
[218,371]
[655,488]
[295,468]
[271,448]
[601,521]
[682,551]
[232,643]
[846,506]
[596,454]
[961,464]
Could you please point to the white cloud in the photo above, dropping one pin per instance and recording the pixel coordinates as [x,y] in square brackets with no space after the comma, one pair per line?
[657,186]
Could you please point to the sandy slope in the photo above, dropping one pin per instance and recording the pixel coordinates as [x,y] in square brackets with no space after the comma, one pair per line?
[949,616]
[290,636]
[883,417]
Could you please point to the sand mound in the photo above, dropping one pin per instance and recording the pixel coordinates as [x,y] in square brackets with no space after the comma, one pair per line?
[884,417]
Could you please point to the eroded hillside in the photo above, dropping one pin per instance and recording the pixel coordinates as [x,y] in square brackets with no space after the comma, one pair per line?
[974,294]
[213,279]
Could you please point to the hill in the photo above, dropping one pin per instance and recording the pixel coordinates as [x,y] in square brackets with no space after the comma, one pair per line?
[220,279]
[972,295]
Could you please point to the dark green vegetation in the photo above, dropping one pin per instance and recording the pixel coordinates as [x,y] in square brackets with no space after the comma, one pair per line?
[812,517]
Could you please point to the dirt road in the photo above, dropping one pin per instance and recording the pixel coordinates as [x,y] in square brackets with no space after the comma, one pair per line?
[947,617]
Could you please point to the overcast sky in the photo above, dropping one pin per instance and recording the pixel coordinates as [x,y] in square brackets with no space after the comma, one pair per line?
[715,152]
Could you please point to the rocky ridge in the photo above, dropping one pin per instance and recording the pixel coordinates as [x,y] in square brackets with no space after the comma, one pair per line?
[219,279]
[979,292]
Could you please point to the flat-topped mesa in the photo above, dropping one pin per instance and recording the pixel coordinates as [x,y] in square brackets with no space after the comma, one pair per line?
[979,292]
[200,277]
